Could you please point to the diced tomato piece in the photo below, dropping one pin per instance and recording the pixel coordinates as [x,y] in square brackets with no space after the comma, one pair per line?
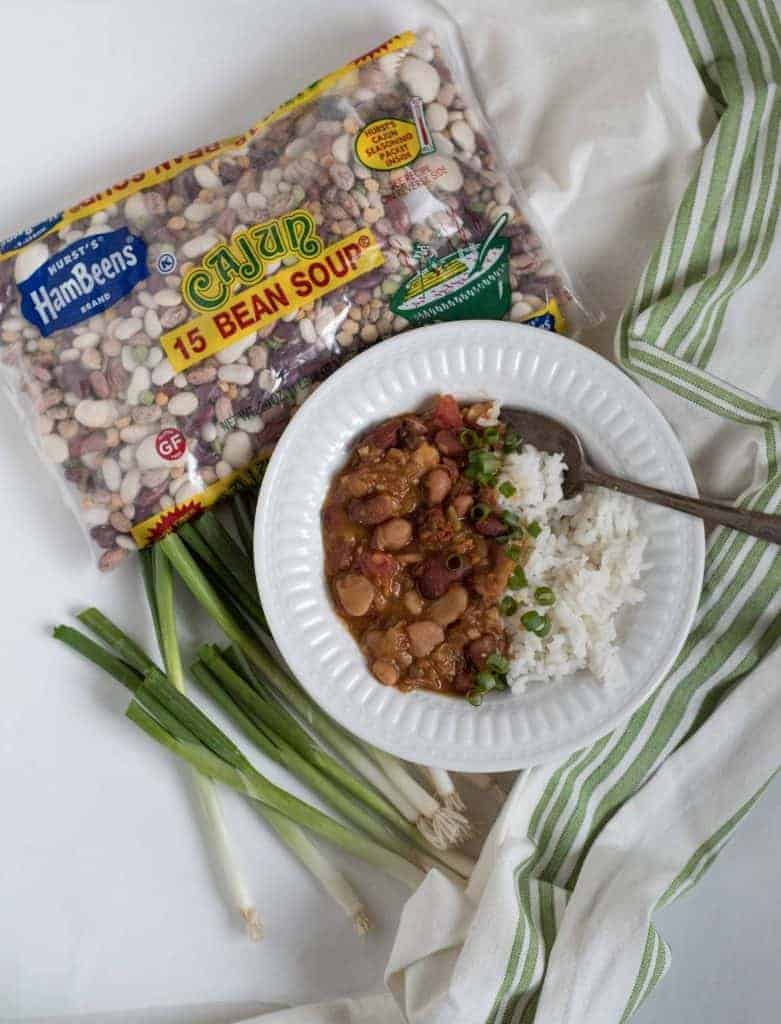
[447,414]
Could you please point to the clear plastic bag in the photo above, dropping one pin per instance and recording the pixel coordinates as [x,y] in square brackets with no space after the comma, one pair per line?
[158,336]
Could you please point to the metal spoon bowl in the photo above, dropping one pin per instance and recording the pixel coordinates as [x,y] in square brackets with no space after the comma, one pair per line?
[549,435]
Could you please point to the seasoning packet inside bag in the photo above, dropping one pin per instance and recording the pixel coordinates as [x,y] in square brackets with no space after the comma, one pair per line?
[158,336]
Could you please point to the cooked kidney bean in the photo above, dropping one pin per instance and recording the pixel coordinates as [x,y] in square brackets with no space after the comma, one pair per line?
[492,526]
[479,650]
[434,578]
[448,443]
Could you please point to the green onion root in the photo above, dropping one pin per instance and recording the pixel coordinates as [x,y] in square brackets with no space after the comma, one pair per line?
[312,857]
[440,826]
[445,789]
[232,874]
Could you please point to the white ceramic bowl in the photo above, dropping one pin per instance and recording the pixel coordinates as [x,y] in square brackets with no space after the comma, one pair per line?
[522,366]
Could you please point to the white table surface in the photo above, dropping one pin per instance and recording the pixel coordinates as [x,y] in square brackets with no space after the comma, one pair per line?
[106,896]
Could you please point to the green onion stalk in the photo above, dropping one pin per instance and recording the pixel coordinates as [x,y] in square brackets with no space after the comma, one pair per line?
[170,718]
[234,770]
[158,580]
[288,831]
[442,824]
[274,731]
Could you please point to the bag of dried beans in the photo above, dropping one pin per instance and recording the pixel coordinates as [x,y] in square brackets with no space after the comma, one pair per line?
[157,336]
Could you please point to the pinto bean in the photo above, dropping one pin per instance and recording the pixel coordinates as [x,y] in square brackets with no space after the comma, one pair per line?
[385,671]
[450,606]
[448,443]
[413,602]
[436,486]
[355,594]
[425,457]
[461,504]
[424,636]
[392,535]
[371,511]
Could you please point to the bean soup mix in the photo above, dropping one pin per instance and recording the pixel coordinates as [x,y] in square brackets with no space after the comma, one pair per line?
[158,336]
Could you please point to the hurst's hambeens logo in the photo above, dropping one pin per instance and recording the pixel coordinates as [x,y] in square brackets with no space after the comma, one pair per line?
[83,279]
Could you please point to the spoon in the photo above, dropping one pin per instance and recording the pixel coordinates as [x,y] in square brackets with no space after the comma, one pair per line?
[548,435]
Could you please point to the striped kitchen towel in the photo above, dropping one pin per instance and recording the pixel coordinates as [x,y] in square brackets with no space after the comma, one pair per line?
[557,925]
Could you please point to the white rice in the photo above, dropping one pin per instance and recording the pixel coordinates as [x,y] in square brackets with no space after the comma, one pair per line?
[590,553]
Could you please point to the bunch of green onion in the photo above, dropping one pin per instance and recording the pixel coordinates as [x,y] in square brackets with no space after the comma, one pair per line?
[385,816]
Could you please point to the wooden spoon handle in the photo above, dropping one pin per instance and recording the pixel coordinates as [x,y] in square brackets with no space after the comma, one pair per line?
[757,524]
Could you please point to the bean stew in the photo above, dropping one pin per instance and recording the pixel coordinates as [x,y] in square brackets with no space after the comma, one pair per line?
[418,554]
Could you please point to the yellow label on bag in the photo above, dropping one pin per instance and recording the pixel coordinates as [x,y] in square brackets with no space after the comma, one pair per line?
[265,302]
[387,144]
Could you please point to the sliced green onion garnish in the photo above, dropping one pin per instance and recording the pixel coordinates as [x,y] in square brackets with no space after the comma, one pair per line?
[507,489]
[489,462]
[544,596]
[511,519]
[485,681]
[544,628]
[515,552]
[531,621]
[486,462]
[497,663]
[481,511]
[512,441]
[534,529]
[508,605]
[469,438]
[518,579]
[475,698]
[491,435]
